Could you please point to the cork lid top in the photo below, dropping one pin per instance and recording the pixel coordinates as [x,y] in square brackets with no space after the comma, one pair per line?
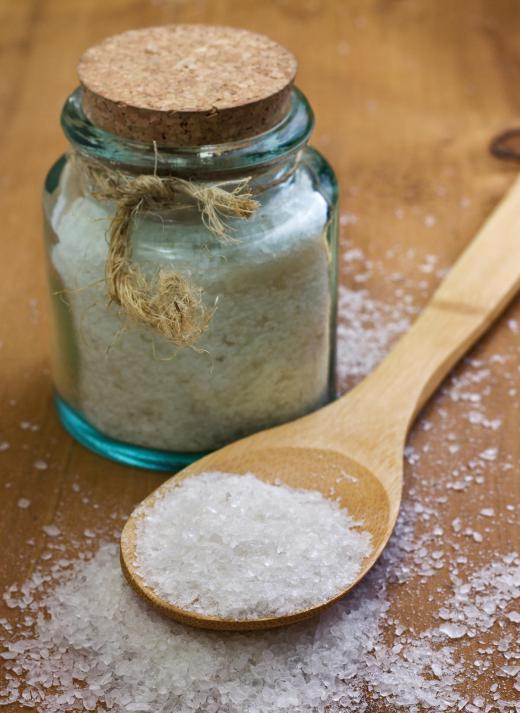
[187,84]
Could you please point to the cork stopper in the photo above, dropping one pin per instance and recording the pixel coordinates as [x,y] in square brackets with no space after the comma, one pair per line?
[186,85]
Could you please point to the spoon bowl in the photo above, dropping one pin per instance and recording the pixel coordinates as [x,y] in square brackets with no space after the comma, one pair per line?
[330,472]
[352,449]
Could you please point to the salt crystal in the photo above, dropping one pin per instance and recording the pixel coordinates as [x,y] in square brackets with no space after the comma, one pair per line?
[4,446]
[489,454]
[348,219]
[487,512]
[457,485]
[453,631]
[40,465]
[23,503]
[456,524]
[51,530]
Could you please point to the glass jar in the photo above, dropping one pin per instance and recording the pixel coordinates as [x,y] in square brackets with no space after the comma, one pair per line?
[266,355]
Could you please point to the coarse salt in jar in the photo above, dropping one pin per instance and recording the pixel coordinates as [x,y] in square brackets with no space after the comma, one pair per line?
[191,236]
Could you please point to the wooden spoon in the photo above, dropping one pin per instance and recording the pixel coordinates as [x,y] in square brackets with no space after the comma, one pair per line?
[363,433]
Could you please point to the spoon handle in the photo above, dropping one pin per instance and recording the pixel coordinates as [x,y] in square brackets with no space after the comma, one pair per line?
[476,290]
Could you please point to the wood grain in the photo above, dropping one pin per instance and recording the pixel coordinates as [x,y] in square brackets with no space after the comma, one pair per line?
[407,96]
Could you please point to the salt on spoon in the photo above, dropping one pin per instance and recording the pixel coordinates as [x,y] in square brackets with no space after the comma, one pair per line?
[352,450]
[233,546]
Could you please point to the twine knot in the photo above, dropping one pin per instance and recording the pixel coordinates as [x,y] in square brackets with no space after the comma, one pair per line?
[168,302]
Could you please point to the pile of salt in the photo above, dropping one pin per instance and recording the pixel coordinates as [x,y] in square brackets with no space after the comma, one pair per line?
[235,547]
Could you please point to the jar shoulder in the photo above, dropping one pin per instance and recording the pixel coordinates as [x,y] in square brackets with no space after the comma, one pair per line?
[289,214]
[323,173]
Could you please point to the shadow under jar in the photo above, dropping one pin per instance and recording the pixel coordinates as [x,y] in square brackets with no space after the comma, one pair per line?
[267,288]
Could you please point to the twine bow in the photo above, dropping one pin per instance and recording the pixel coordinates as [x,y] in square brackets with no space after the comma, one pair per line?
[167,301]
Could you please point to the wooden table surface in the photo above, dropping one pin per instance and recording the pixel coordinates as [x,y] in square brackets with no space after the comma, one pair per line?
[407,96]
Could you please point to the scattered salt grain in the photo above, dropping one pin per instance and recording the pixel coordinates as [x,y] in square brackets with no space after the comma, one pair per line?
[4,446]
[51,530]
[234,546]
[487,512]
[489,454]
[102,648]
[23,503]
[475,417]
[473,534]
[348,219]
[453,631]
[366,333]
[40,465]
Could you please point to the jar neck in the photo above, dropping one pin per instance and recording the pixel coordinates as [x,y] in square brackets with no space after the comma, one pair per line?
[269,158]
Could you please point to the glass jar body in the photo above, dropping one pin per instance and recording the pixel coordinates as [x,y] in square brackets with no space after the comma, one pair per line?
[267,354]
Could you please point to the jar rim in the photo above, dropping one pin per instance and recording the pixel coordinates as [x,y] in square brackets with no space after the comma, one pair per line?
[270,147]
